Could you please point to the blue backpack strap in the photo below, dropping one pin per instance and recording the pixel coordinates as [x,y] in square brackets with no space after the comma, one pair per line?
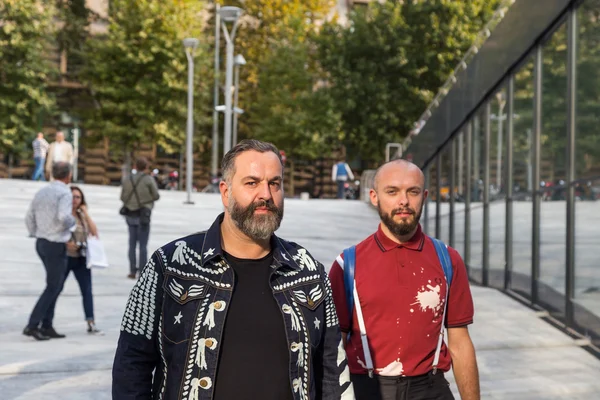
[349,267]
[444,257]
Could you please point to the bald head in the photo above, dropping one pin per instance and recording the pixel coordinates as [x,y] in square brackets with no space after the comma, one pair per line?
[394,169]
[60,136]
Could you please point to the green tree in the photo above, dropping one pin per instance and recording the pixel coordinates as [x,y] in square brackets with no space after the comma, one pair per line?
[388,63]
[138,73]
[24,71]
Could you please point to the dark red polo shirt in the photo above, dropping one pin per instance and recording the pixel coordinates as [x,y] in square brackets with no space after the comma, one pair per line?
[402,290]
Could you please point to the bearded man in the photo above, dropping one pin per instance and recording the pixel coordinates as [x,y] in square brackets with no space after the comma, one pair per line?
[234,312]
[396,292]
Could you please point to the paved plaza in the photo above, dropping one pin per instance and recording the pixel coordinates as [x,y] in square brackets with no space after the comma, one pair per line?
[520,356]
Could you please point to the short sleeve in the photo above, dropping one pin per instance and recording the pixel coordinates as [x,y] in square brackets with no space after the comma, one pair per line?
[460,302]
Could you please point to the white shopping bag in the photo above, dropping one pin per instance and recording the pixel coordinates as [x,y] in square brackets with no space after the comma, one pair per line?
[96,256]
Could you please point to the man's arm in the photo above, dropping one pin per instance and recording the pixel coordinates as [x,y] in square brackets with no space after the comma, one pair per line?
[334,172]
[153,189]
[350,174]
[464,363]
[137,356]
[335,383]
[49,157]
[30,221]
[65,211]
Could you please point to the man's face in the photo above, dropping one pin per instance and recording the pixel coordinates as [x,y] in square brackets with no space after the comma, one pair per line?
[254,196]
[60,136]
[399,197]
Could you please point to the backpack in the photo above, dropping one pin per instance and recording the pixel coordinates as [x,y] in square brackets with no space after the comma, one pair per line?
[352,295]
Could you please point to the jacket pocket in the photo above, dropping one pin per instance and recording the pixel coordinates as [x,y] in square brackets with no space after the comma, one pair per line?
[310,297]
[181,306]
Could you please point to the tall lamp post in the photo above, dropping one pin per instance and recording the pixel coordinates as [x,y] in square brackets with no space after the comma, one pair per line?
[238,61]
[229,14]
[215,132]
[190,44]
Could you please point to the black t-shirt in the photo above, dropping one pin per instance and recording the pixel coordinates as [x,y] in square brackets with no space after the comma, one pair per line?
[254,359]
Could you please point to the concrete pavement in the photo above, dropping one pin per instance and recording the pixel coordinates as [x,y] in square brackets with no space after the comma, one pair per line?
[520,356]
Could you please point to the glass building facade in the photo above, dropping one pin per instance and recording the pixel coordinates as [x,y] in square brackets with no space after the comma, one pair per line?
[512,162]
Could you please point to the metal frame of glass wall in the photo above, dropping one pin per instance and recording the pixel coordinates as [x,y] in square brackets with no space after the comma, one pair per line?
[517,209]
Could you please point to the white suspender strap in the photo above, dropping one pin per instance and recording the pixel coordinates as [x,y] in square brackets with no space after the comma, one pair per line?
[438,349]
[363,333]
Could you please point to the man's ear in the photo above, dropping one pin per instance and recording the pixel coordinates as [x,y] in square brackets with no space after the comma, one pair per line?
[224,189]
[373,196]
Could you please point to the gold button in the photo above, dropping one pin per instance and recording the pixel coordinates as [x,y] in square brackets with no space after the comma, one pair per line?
[203,383]
[218,306]
[209,342]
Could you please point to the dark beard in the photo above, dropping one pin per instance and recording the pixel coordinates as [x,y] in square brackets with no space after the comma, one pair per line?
[402,228]
[256,227]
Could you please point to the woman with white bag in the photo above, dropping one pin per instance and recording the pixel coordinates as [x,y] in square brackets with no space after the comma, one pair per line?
[77,256]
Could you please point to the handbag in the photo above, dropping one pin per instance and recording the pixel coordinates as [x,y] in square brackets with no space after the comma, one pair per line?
[96,256]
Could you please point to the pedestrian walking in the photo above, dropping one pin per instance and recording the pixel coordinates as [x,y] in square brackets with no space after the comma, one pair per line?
[77,256]
[340,174]
[50,220]
[40,149]
[396,292]
[234,312]
[59,151]
[138,194]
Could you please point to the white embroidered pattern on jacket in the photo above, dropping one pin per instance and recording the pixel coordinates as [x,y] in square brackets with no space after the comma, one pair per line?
[295,320]
[139,313]
[305,349]
[194,342]
[305,261]
[179,253]
[210,315]
[297,386]
[210,252]
[296,282]
[197,384]
[184,255]
[311,298]
[203,344]
[198,276]
[298,348]
[163,384]
[331,318]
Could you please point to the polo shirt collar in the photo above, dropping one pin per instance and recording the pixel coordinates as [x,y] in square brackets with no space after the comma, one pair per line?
[387,244]
[212,249]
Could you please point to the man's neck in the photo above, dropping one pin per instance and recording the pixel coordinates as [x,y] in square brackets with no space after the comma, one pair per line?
[239,245]
[399,239]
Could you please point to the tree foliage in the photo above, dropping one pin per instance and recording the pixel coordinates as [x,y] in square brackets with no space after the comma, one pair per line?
[387,65]
[138,72]
[24,70]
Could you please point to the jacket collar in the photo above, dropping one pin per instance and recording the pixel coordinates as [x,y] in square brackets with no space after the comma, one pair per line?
[212,249]
[387,244]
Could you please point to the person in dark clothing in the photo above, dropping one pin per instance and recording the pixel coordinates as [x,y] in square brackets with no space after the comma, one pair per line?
[234,312]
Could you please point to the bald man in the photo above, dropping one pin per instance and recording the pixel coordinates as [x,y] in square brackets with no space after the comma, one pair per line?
[402,297]
[59,151]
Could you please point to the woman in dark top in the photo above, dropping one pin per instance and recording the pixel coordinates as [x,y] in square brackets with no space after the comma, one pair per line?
[76,252]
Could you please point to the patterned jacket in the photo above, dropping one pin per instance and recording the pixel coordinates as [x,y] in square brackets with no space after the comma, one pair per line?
[189,281]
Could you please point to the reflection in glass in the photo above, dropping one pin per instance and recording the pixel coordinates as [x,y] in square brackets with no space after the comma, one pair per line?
[476,228]
[498,124]
[587,162]
[553,214]
[522,178]
[459,184]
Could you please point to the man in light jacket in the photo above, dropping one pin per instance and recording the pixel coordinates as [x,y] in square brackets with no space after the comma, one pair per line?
[60,151]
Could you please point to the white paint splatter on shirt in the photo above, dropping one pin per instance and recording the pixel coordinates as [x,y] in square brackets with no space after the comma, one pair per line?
[429,298]
[395,368]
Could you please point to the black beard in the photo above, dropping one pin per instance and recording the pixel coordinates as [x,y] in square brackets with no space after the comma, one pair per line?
[256,227]
[399,229]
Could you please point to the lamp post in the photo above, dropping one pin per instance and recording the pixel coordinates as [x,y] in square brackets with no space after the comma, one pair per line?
[215,132]
[238,61]
[190,44]
[229,14]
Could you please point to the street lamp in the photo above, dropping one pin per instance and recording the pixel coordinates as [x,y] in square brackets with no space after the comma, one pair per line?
[238,61]
[190,44]
[229,14]
[215,132]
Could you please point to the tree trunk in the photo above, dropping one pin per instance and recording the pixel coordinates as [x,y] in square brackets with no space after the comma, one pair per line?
[10,165]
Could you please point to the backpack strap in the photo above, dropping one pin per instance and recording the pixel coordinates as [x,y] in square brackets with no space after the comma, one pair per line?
[353,301]
[444,256]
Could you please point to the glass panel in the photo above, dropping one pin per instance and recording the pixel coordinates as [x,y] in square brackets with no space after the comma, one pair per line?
[445,195]
[522,177]
[459,184]
[429,206]
[498,124]
[476,229]
[587,171]
[553,215]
